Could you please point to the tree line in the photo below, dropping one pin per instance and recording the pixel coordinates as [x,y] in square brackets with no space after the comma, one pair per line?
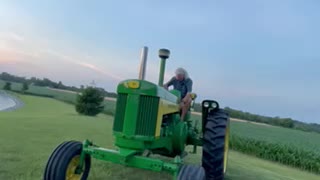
[275,121]
[45,82]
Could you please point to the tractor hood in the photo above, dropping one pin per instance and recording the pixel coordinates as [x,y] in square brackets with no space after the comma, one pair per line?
[142,87]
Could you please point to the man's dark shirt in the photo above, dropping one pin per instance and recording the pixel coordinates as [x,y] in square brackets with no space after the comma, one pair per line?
[184,86]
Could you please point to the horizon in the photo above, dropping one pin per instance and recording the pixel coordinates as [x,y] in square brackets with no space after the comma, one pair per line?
[259,57]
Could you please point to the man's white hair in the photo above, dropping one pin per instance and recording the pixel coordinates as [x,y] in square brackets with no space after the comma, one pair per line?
[183,72]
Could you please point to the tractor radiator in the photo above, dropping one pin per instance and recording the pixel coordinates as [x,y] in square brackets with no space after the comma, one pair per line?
[146,119]
[147,116]
[120,112]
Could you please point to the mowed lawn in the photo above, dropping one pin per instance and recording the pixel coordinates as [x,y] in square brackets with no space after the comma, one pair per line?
[29,135]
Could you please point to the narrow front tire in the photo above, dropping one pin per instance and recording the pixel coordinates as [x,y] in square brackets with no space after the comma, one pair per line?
[64,161]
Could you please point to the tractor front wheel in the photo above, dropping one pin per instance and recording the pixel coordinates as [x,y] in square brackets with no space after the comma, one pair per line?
[64,161]
[216,145]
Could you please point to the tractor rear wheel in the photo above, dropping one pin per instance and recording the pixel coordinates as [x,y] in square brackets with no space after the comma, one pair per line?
[64,161]
[216,145]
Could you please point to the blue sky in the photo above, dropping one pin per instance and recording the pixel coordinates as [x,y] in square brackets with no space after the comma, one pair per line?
[257,56]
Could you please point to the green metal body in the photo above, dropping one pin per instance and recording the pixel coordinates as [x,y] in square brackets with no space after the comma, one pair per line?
[147,119]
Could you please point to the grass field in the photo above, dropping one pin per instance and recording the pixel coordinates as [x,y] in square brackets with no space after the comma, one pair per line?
[29,135]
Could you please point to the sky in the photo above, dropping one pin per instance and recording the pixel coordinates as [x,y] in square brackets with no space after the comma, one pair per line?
[257,56]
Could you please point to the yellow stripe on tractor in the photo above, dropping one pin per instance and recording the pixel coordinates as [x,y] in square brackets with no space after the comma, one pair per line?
[165,107]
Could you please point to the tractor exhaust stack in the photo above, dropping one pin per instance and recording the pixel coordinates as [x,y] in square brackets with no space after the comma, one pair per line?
[164,55]
[143,65]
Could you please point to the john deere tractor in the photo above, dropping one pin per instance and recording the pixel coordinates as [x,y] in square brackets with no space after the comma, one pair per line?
[147,121]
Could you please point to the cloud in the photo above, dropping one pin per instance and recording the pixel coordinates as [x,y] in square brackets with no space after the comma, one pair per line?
[16,49]
[16,37]
[62,56]
[99,70]
[73,59]
[11,36]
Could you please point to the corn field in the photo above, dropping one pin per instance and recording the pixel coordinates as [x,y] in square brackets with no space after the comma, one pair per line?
[285,154]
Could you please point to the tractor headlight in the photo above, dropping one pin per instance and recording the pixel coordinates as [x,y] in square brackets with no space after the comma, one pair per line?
[133,84]
[206,104]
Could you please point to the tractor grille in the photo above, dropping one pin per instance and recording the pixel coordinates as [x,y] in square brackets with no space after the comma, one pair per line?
[147,116]
[120,112]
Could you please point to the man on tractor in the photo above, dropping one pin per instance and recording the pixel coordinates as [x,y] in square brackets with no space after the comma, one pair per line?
[182,82]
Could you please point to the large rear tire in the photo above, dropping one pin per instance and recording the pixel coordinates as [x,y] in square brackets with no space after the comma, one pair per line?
[216,145]
[63,162]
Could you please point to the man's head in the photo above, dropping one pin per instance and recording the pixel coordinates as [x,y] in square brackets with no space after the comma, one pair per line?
[181,74]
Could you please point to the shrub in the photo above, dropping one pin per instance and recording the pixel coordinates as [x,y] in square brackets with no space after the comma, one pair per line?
[89,102]
[7,86]
[25,87]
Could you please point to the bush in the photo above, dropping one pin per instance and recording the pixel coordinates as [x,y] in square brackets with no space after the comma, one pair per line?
[25,87]
[7,86]
[89,102]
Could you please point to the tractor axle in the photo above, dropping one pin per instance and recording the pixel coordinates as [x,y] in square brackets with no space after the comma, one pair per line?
[130,158]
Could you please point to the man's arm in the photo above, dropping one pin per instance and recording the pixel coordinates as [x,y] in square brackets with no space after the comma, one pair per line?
[169,83]
[189,84]
[188,98]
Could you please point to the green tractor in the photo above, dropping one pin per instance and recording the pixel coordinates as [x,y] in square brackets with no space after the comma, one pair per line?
[147,121]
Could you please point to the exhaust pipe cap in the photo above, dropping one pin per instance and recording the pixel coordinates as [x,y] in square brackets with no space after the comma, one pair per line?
[164,53]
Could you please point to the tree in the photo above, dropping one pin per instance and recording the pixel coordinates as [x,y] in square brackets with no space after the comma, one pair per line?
[287,122]
[89,102]
[25,87]
[7,86]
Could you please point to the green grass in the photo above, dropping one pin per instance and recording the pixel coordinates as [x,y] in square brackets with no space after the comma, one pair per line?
[29,135]
[244,167]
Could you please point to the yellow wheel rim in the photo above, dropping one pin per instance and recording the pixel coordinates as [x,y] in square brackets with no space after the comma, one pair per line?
[226,149]
[70,174]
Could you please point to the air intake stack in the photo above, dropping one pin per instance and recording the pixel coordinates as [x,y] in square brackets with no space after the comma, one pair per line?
[164,55]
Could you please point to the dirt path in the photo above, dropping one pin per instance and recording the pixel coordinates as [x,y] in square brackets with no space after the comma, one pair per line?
[73,92]
[241,120]
[9,102]
[238,120]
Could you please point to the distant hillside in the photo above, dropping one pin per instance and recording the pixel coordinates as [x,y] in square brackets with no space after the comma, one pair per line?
[275,121]
[45,82]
